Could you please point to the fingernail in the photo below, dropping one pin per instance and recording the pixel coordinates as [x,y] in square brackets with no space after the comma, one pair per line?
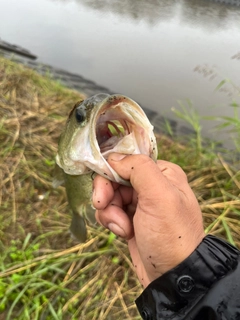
[93,206]
[118,231]
[117,156]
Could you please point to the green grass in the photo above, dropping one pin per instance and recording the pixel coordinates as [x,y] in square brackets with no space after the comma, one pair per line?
[44,273]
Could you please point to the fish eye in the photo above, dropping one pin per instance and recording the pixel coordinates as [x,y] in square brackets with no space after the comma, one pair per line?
[80,115]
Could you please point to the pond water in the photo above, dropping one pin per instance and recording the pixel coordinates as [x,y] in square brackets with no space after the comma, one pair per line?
[156,52]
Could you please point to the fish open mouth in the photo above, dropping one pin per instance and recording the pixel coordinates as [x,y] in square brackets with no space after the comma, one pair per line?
[121,126]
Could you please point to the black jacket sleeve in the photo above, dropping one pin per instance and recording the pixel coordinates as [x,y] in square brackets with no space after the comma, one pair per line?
[205,286]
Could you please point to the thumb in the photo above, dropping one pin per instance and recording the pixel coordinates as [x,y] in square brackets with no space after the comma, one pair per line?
[140,169]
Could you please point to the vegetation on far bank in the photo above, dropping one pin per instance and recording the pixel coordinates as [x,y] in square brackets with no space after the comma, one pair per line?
[44,273]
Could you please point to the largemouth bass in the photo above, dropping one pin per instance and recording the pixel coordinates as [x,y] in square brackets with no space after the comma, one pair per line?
[96,127]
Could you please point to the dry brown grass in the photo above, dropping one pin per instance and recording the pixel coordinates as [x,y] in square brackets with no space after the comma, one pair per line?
[215,182]
[32,111]
[45,274]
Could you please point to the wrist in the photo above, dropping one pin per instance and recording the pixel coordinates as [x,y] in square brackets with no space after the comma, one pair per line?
[175,252]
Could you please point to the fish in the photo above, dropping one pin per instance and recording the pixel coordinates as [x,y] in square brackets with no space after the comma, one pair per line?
[96,127]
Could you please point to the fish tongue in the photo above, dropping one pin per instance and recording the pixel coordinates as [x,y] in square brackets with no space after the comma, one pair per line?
[125,145]
[109,144]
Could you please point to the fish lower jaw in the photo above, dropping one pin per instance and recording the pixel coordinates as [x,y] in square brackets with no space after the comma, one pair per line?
[75,169]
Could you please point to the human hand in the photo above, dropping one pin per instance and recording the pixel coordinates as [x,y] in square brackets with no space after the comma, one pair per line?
[159,215]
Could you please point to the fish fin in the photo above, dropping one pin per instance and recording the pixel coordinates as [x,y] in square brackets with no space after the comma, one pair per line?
[78,228]
[58,176]
[90,213]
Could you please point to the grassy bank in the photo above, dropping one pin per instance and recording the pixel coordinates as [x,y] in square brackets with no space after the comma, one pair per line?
[44,273]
